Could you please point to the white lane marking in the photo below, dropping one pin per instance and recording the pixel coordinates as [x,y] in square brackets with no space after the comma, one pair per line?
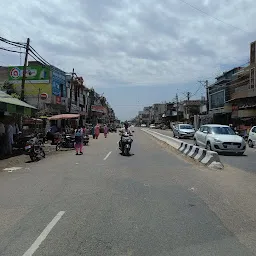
[107,155]
[43,235]
[12,169]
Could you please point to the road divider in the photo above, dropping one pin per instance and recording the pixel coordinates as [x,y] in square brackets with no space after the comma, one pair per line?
[206,157]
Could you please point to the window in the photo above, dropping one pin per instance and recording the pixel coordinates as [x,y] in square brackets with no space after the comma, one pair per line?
[206,129]
[202,128]
[61,90]
[222,130]
[254,129]
[186,126]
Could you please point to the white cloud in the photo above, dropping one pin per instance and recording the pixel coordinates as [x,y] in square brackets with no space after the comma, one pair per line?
[131,42]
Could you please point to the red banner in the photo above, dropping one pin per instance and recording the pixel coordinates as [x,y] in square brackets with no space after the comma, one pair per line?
[99,109]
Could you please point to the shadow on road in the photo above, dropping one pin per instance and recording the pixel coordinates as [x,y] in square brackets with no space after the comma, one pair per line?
[126,156]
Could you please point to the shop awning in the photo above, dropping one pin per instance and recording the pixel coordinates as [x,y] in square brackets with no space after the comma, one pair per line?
[8,99]
[64,116]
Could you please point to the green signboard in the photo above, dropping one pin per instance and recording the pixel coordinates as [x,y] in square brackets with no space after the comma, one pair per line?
[34,74]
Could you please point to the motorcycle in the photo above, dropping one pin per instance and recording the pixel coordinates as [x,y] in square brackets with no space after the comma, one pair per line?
[66,141]
[34,149]
[125,144]
[86,139]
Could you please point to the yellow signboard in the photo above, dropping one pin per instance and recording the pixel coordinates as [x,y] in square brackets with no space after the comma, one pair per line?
[32,89]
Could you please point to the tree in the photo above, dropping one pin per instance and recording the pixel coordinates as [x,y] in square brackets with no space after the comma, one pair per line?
[9,88]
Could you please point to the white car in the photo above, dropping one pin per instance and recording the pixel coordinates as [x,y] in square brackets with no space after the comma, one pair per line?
[219,138]
[152,126]
[183,131]
[143,125]
[252,137]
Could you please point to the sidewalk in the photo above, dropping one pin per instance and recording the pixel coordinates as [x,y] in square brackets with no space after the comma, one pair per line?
[21,159]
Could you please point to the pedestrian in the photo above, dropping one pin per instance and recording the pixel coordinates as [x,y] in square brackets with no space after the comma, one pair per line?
[93,132]
[105,131]
[79,140]
[9,138]
[97,131]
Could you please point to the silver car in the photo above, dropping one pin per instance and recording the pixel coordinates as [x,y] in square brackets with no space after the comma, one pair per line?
[183,131]
[219,138]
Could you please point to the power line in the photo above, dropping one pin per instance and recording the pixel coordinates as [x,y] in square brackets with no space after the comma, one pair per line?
[17,44]
[224,22]
[1,48]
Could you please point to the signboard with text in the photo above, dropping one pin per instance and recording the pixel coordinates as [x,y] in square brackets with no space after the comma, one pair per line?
[34,74]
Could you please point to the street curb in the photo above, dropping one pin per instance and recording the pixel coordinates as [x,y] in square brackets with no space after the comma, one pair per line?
[208,158]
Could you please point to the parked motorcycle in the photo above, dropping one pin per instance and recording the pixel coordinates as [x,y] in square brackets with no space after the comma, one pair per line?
[34,149]
[65,141]
[86,139]
[125,144]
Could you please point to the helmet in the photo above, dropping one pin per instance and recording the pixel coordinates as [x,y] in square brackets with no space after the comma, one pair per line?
[126,125]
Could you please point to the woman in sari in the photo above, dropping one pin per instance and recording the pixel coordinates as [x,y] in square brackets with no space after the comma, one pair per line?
[105,131]
[97,131]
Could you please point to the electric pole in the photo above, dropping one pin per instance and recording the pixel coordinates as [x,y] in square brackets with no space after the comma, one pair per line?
[24,71]
[188,98]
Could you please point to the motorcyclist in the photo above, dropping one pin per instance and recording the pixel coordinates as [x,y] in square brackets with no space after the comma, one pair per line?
[123,131]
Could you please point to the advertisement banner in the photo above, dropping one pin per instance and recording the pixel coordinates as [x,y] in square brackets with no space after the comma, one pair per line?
[217,99]
[34,74]
[34,89]
[59,83]
[98,109]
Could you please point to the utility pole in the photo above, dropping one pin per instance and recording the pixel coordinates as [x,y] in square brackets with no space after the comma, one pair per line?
[71,89]
[24,71]
[188,95]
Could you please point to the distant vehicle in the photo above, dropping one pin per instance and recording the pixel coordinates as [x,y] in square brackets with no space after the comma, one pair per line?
[143,125]
[252,137]
[183,131]
[152,126]
[219,138]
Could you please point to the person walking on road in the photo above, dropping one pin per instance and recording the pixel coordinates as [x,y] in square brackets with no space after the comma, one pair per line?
[79,140]
[105,131]
[93,132]
[97,131]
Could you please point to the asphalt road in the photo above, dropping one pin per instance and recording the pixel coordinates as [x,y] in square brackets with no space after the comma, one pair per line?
[246,162]
[102,203]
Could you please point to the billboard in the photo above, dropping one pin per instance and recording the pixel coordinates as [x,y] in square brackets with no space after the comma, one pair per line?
[217,99]
[98,109]
[59,83]
[34,74]
[34,89]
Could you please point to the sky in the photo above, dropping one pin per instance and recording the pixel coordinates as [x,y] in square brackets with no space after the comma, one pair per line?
[136,52]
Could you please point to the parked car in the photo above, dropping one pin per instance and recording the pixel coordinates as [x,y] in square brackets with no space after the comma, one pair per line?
[183,131]
[143,125]
[252,137]
[219,138]
[152,126]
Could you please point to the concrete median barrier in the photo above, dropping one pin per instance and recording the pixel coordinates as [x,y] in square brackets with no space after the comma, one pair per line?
[206,157]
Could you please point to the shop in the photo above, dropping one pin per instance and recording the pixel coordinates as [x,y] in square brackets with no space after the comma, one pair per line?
[12,111]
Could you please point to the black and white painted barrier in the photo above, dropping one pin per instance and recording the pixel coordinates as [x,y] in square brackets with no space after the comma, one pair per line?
[206,157]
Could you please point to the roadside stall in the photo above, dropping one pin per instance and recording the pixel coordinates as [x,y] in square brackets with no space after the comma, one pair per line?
[69,125]
[12,110]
